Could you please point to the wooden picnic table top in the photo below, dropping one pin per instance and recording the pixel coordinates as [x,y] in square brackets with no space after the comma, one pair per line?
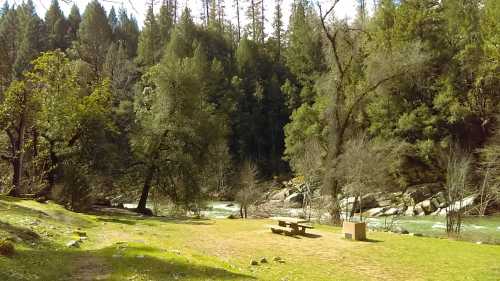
[290,220]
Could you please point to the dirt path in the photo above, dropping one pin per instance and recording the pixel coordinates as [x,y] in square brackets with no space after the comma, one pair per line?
[90,268]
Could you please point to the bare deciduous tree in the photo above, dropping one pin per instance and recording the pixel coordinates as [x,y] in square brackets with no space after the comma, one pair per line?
[248,193]
[457,173]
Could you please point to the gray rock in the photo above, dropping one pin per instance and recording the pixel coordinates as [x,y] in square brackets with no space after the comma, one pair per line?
[369,201]
[428,206]
[410,211]
[384,202]
[440,197]
[347,202]
[418,210]
[294,200]
[375,212]
[418,193]
[391,212]
[466,203]
[73,244]
[436,213]
[280,194]
[435,203]
[399,229]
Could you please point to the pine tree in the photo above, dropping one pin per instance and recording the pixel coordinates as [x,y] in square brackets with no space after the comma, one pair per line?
[303,56]
[182,44]
[113,20]
[149,51]
[9,29]
[165,22]
[95,35]
[127,32]
[4,10]
[30,37]
[238,21]
[278,28]
[56,26]
[74,20]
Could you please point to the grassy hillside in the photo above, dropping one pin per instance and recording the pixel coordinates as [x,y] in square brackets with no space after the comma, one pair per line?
[128,247]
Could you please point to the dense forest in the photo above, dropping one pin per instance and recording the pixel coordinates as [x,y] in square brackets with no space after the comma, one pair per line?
[92,106]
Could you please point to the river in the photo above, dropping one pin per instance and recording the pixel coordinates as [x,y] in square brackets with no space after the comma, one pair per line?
[483,229]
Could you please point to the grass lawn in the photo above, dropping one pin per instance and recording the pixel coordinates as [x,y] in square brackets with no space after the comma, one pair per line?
[126,247]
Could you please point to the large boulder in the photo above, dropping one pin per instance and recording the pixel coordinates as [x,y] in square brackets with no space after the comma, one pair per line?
[427,206]
[280,194]
[418,193]
[419,210]
[294,200]
[375,212]
[384,202]
[347,203]
[466,203]
[392,211]
[410,211]
[369,201]
[435,203]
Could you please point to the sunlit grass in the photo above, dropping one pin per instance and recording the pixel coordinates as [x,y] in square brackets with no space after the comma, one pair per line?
[121,247]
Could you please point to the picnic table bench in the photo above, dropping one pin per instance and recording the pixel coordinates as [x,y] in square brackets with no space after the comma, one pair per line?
[290,226]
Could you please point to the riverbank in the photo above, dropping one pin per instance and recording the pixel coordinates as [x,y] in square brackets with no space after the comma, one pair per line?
[125,246]
[475,229]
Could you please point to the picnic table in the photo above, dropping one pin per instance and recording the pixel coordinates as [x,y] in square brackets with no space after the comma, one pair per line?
[290,226]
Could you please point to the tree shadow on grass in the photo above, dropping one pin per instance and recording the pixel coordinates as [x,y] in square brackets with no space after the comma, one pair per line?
[190,221]
[311,235]
[112,264]
[24,233]
[368,240]
[117,220]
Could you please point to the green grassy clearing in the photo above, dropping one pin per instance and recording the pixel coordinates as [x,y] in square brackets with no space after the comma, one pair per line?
[125,247]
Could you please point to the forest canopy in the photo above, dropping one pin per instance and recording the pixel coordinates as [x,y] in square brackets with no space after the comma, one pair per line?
[92,106]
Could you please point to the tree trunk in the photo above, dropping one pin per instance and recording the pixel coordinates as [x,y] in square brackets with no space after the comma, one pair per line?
[17,161]
[52,174]
[141,207]
[238,19]
[254,25]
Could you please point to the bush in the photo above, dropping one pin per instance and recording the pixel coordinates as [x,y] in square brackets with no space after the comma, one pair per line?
[6,248]
[77,191]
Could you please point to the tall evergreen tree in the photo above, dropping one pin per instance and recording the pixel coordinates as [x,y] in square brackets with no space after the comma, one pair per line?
[127,32]
[30,37]
[56,26]
[9,29]
[149,51]
[304,57]
[165,23]
[113,20]
[95,35]
[74,20]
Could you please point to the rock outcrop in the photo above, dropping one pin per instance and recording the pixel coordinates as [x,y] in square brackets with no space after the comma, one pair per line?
[418,200]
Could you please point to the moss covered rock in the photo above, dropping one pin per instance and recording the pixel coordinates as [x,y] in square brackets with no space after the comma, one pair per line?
[6,248]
